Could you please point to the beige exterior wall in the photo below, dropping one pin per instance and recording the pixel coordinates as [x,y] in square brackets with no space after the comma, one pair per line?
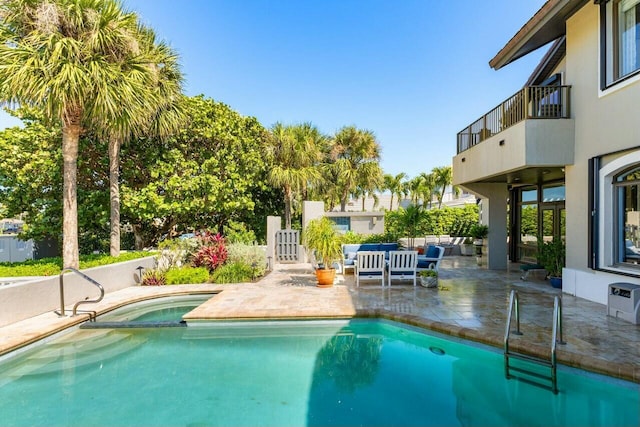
[605,122]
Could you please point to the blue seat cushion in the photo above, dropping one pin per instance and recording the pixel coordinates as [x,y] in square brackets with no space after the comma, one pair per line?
[349,262]
[388,247]
[423,263]
[432,252]
[369,247]
[371,273]
[393,273]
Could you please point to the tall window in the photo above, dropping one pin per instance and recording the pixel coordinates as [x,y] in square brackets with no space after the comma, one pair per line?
[528,244]
[627,214]
[621,39]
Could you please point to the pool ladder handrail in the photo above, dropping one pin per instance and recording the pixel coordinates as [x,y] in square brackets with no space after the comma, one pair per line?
[556,338]
[92,314]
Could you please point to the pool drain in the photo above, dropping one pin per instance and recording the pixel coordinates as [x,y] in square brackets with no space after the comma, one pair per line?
[437,350]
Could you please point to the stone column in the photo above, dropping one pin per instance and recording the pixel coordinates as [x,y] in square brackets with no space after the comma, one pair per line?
[274,223]
[493,213]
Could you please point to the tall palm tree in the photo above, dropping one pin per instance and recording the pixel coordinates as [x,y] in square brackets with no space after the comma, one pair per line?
[443,177]
[72,59]
[427,187]
[395,185]
[356,154]
[413,188]
[160,115]
[295,153]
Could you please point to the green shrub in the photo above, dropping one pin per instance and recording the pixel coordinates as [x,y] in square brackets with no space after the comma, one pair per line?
[29,268]
[251,255]
[96,260]
[176,252]
[351,237]
[53,266]
[235,272]
[153,278]
[452,221]
[387,237]
[183,275]
[237,232]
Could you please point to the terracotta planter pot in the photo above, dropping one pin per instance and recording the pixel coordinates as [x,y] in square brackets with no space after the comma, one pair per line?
[325,277]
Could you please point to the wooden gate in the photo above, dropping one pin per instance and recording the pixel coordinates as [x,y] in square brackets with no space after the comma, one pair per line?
[287,246]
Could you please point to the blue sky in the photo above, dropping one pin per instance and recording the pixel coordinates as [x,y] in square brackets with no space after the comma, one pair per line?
[415,72]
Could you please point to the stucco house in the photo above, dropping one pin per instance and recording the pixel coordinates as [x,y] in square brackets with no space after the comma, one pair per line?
[561,157]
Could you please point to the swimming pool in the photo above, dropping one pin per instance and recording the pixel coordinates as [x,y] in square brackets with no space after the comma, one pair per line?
[361,372]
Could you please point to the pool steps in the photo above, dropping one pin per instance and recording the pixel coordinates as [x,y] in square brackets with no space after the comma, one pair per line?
[90,347]
[556,338]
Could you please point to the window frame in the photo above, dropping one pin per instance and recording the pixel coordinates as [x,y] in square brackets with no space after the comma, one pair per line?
[608,220]
[609,48]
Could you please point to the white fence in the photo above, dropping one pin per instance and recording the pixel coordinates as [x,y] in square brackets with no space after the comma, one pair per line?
[13,249]
[288,245]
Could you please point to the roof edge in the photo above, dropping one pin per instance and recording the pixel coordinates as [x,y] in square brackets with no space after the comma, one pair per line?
[525,40]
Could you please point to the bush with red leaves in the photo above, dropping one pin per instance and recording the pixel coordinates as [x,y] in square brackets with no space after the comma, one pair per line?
[212,253]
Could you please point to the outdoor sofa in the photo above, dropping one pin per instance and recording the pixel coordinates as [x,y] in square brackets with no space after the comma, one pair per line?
[350,252]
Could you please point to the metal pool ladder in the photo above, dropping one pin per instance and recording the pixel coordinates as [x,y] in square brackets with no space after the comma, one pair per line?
[92,314]
[556,338]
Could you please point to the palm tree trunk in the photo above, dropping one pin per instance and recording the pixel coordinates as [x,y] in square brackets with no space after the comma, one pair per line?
[287,207]
[391,203]
[114,194]
[70,141]
[138,237]
[343,200]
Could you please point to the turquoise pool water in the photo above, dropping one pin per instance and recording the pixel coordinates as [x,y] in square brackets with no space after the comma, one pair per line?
[291,374]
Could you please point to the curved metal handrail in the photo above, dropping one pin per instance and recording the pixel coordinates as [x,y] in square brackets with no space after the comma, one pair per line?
[513,305]
[87,301]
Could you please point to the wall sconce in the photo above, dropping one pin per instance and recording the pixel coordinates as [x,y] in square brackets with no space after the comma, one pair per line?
[501,142]
[463,159]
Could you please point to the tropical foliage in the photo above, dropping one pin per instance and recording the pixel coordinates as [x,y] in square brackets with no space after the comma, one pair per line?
[234,272]
[552,256]
[321,237]
[53,266]
[168,186]
[451,221]
[187,274]
[296,153]
[54,56]
[355,154]
[211,173]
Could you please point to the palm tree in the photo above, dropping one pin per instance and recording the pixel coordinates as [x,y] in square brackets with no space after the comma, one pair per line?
[427,185]
[295,153]
[443,177]
[160,115]
[356,154]
[73,60]
[413,188]
[395,185]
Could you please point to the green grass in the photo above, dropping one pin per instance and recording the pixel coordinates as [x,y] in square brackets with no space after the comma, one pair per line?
[53,266]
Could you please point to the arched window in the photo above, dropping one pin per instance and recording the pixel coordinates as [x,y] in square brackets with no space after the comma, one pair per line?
[626,198]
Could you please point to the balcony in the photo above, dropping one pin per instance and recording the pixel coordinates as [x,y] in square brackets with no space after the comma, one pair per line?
[531,129]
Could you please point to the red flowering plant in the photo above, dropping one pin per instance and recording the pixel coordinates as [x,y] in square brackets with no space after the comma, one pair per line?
[212,252]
